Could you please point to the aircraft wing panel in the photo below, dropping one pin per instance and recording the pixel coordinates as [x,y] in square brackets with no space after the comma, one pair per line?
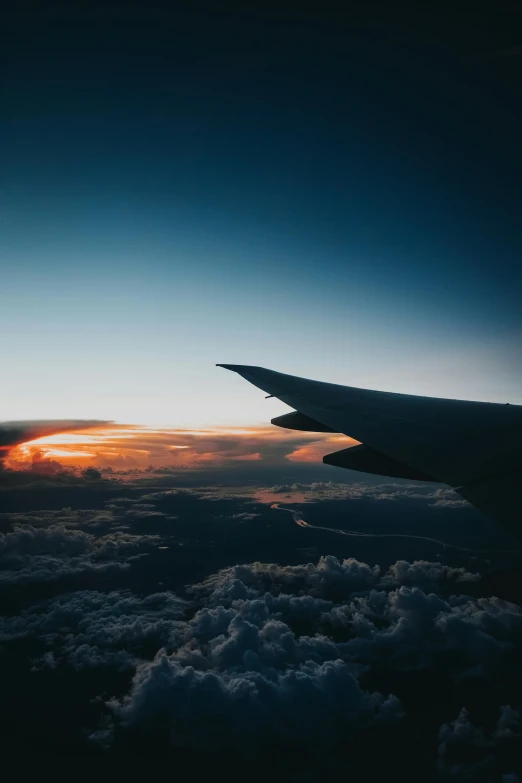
[463,444]
[497,497]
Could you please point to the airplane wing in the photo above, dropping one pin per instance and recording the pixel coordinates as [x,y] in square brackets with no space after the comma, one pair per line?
[475,447]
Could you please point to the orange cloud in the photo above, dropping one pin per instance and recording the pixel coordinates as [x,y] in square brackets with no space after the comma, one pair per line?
[315,451]
[123,447]
[16,433]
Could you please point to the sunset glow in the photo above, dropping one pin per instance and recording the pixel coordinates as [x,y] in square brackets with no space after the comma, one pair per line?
[133,447]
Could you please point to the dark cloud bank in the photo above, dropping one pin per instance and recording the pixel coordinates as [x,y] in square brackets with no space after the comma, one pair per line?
[129,631]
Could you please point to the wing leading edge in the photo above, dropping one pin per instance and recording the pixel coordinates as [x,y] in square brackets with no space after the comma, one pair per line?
[475,447]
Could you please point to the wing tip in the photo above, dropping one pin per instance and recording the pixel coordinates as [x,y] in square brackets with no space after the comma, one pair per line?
[239,367]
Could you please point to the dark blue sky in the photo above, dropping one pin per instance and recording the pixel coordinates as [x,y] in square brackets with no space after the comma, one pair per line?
[335,195]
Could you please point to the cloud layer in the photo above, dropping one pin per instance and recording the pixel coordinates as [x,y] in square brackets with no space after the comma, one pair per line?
[357,490]
[14,433]
[123,608]
[264,653]
[48,546]
[122,448]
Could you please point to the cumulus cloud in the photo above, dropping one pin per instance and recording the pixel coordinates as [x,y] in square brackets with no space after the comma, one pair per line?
[263,652]
[49,568]
[318,701]
[275,652]
[425,574]
[508,724]
[88,629]
[328,576]
[468,752]
[385,491]
[408,627]
[47,545]
[260,654]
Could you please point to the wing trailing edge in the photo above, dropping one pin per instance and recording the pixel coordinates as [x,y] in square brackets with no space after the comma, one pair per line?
[366,460]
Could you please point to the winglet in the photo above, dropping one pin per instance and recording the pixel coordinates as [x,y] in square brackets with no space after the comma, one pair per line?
[238,367]
[245,370]
[271,382]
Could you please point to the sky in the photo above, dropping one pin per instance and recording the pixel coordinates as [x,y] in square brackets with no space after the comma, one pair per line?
[328,193]
[335,196]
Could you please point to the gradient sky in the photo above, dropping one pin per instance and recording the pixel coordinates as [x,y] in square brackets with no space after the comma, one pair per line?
[331,196]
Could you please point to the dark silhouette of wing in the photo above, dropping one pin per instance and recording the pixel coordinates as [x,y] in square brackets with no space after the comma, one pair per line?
[475,447]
